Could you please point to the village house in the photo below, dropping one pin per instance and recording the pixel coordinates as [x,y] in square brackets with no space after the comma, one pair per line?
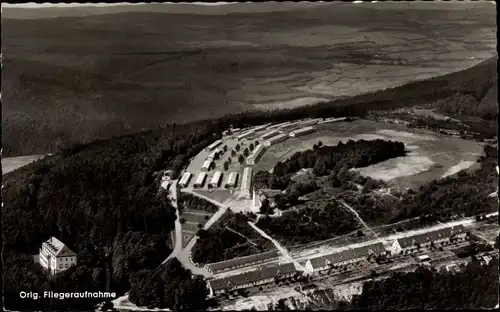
[344,258]
[56,257]
[259,277]
[233,264]
[317,265]
[436,238]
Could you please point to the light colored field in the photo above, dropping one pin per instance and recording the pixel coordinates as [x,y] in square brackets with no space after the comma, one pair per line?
[12,163]
[220,195]
[398,167]
[430,156]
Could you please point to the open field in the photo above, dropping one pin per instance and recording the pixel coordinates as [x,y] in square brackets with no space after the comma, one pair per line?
[12,163]
[430,156]
[70,79]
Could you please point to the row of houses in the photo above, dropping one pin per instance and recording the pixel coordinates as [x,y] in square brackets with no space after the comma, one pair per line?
[436,238]
[259,277]
[214,182]
[241,262]
[345,257]
[403,245]
[320,264]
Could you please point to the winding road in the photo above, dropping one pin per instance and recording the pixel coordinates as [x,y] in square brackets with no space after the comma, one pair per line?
[183,254]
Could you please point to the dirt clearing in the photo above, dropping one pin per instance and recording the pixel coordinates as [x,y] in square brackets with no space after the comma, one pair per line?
[429,155]
[461,166]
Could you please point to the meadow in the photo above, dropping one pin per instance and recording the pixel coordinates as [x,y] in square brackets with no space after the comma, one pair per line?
[72,80]
[429,155]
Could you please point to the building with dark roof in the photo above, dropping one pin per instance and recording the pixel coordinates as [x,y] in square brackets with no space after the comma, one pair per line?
[55,256]
[441,236]
[345,257]
[317,264]
[232,264]
[254,278]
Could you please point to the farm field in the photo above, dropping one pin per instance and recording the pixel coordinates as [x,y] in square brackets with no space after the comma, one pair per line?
[429,155]
[72,80]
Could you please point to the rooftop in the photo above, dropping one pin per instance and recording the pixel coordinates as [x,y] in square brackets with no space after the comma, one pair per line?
[349,254]
[242,260]
[318,262]
[252,276]
[58,248]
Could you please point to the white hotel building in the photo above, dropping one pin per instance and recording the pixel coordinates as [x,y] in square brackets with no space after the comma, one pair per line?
[56,257]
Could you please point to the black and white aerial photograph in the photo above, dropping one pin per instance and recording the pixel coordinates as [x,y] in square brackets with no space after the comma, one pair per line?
[246,156]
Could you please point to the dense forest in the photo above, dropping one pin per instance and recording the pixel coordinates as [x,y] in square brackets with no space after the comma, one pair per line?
[169,286]
[474,287]
[220,242]
[476,81]
[102,200]
[474,129]
[373,208]
[308,223]
[463,104]
[352,154]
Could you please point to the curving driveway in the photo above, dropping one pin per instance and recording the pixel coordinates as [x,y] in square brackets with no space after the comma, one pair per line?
[184,254]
